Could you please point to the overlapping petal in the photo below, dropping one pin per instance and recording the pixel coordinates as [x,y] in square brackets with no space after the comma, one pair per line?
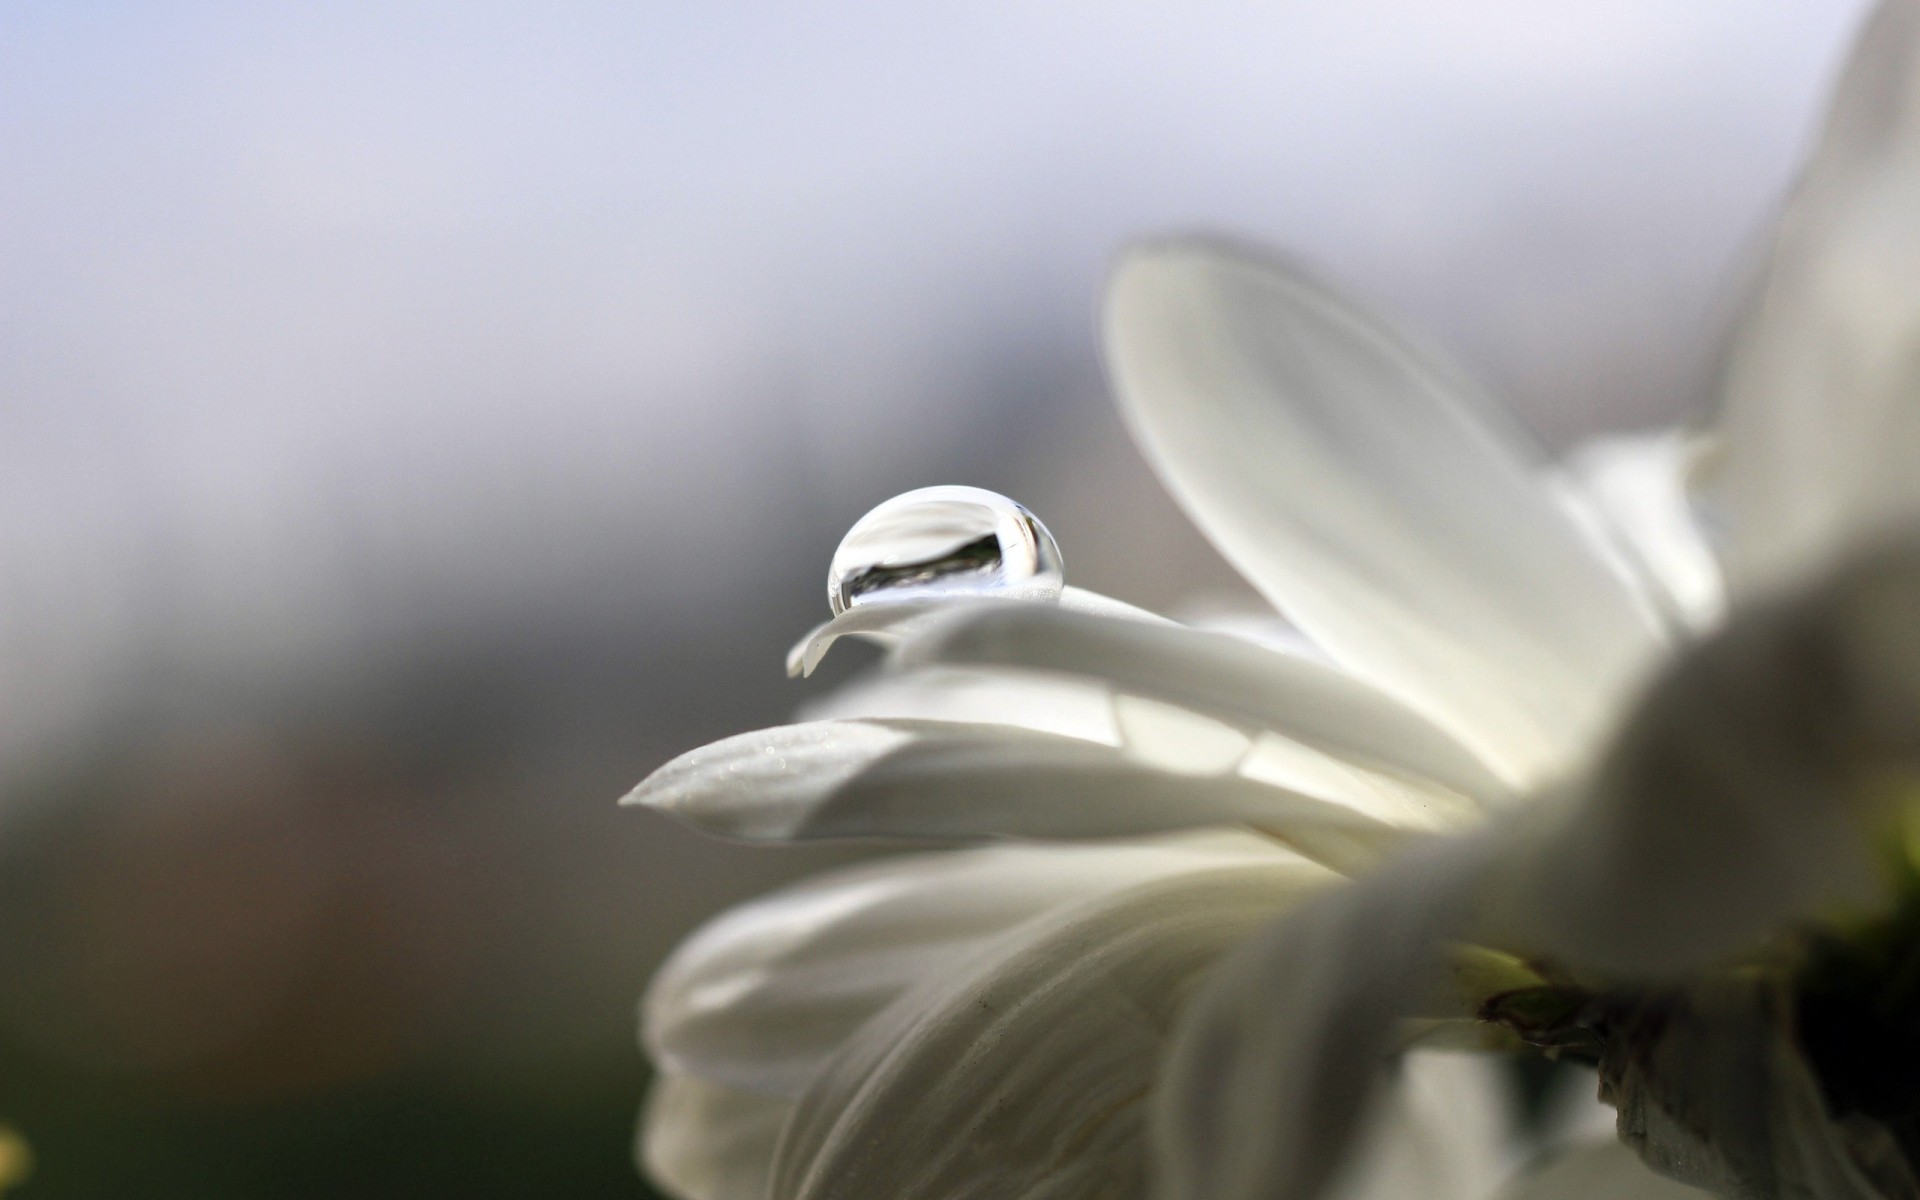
[888,621]
[1750,794]
[1220,676]
[963,780]
[760,997]
[1281,1054]
[1027,1076]
[1636,490]
[1035,700]
[1442,1129]
[706,1141]
[1755,788]
[1819,426]
[1375,499]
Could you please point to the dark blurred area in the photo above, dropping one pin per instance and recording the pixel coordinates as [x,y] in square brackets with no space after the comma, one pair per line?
[418,421]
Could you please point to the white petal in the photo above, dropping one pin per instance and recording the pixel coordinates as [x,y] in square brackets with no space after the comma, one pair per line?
[941,779]
[703,1141]
[764,783]
[889,621]
[1029,699]
[1757,786]
[1821,396]
[1218,676]
[759,997]
[1271,631]
[1635,489]
[1374,498]
[1443,1129]
[1178,739]
[876,622]
[1026,1078]
[1598,1171]
[1280,1054]
[1397,800]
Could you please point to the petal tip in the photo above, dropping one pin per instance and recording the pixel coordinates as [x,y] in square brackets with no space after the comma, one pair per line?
[641,795]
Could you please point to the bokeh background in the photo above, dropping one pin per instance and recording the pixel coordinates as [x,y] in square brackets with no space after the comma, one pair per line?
[420,419]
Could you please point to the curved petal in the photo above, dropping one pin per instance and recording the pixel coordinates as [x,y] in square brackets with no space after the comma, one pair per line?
[1030,699]
[1819,421]
[1162,734]
[1027,1077]
[1752,792]
[1443,1129]
[704,1141]
[887,622]
[1604,1170]
[1397,800]
[1270,630]
[1372,496]
[1758,786]
[758,998]
[1218,675]
[940,779]
[1280,1056]
[1635,489]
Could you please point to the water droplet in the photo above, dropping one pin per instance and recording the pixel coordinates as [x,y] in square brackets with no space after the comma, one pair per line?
[944,541]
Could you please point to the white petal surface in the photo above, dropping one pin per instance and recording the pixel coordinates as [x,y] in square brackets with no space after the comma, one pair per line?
[1598,1171]
[1269,630]
[1216,675]
[1757,785]
[1030,699]
[1374,498]
[762,995]
[702,1141]
[1821,397]
[1281,1053]
[1027,1078]
[1442,1130]
[1636,490]
[941,779]
[1394,799]
[888,621]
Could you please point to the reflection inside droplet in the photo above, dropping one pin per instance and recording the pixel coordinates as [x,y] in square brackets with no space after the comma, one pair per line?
[938,541]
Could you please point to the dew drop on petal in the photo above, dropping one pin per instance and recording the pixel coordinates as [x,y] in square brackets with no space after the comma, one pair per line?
[945,541]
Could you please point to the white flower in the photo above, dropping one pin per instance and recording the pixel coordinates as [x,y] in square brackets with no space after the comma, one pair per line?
[1197,997]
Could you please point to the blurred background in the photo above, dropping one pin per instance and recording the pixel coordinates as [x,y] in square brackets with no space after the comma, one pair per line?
[419,420]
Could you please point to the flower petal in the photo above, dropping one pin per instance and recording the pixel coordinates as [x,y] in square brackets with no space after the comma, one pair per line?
[945,779]
[1635,489]
[1442,1130]
[1819,421]
[761,996]
[1218,675]
[1759,784]
[1373,497]
[703,1141]
[1598,1170]
[887,622]
[1280,1055]
[1030,699]
[1026,1078]
[1158,734]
